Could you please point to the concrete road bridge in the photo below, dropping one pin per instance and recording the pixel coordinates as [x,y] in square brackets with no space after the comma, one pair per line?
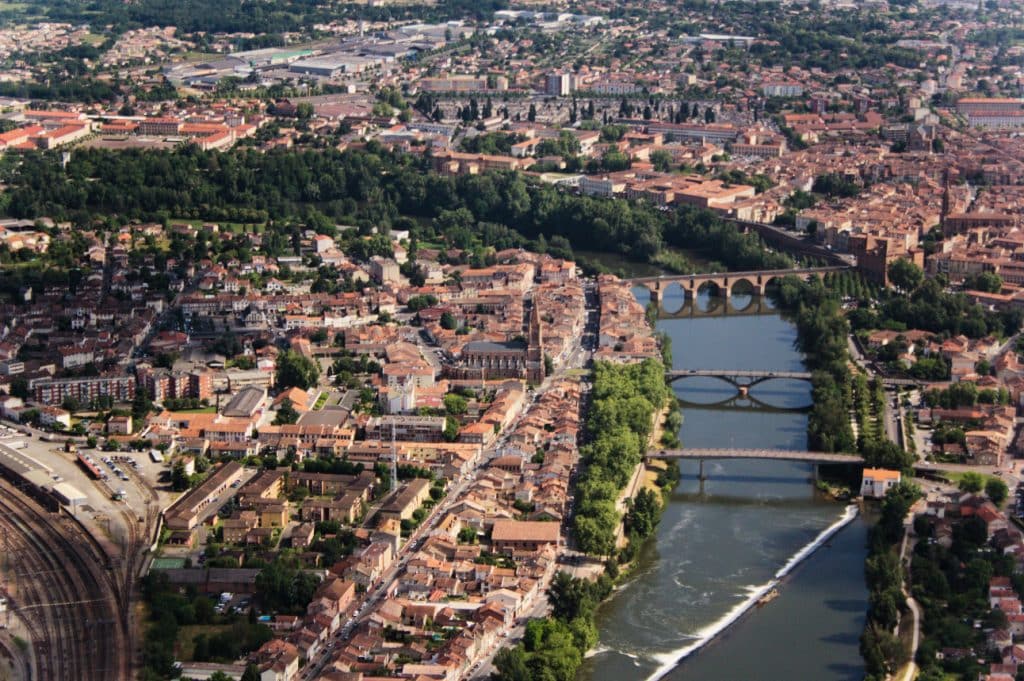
[767,454]
[703,455]
[725,282]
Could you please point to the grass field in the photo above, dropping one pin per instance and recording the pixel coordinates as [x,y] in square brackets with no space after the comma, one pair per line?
[234,227]
[187,634]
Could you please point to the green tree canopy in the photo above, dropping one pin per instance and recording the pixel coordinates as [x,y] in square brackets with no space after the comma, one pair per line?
[295,370]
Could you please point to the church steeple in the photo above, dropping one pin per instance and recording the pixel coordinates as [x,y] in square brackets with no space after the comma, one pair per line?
[535,347]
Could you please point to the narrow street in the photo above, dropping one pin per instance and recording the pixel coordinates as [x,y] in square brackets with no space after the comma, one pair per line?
[576,360]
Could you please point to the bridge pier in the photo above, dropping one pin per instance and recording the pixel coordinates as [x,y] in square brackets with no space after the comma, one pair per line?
[814,473]
[700,475]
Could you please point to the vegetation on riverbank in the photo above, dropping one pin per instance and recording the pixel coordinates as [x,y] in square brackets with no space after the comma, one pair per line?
[552,648]
[822,332]
[882,650]
[821,337]
[625,398]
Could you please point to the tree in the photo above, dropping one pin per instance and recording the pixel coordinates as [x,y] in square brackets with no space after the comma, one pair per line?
[990,282]
[971,482]
[511,665]
[448,321]
[661,160]
[286,413]
[997,491]
[905,275]
[141,405]
[532,114]
[252,673]
[451,429]
[295,370]
[455,404]
[179,478]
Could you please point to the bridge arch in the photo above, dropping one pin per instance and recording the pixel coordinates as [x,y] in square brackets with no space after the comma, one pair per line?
[711,287]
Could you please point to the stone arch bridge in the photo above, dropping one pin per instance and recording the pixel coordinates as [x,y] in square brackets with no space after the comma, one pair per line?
[724,282]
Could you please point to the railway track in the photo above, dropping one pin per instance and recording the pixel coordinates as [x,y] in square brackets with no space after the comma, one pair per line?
[75,609]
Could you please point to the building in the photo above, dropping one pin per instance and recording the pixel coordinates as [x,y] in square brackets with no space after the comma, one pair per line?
[406,428]
[523,535]
[877,481]
[246,402]
[462,84]
[782,90]
[384,270]
[405,503]
[489,360]
[120,425]
[158,126]
[715,133]
[277,660]
[119,388]
[53,416]
[979,105]
[558,84]
[183,514]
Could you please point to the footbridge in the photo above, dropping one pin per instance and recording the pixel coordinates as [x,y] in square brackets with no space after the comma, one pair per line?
[741,378]
[724,282]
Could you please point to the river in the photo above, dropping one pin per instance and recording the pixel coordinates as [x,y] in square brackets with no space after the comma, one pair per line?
[724,541]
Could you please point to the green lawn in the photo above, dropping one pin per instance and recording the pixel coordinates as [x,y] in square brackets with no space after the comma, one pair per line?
[321,400]
[955,478]
[198,410]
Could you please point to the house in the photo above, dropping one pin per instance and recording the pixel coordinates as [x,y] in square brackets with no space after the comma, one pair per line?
[332,597]
[523,535]
[277,660]
[120,425]
[51,416]
[302,535]
[877,481]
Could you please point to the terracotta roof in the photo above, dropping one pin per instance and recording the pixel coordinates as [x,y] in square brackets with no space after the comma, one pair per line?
[525,530]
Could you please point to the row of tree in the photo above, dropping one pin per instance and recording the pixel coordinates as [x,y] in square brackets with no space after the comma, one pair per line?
[624,401]
[883,651]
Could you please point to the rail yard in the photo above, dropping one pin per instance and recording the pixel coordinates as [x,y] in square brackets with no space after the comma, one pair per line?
[68,586]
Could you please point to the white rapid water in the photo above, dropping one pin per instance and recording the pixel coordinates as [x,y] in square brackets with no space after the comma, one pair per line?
[668,661]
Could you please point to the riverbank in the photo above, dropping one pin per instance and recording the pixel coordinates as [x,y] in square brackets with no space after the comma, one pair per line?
[670,661]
